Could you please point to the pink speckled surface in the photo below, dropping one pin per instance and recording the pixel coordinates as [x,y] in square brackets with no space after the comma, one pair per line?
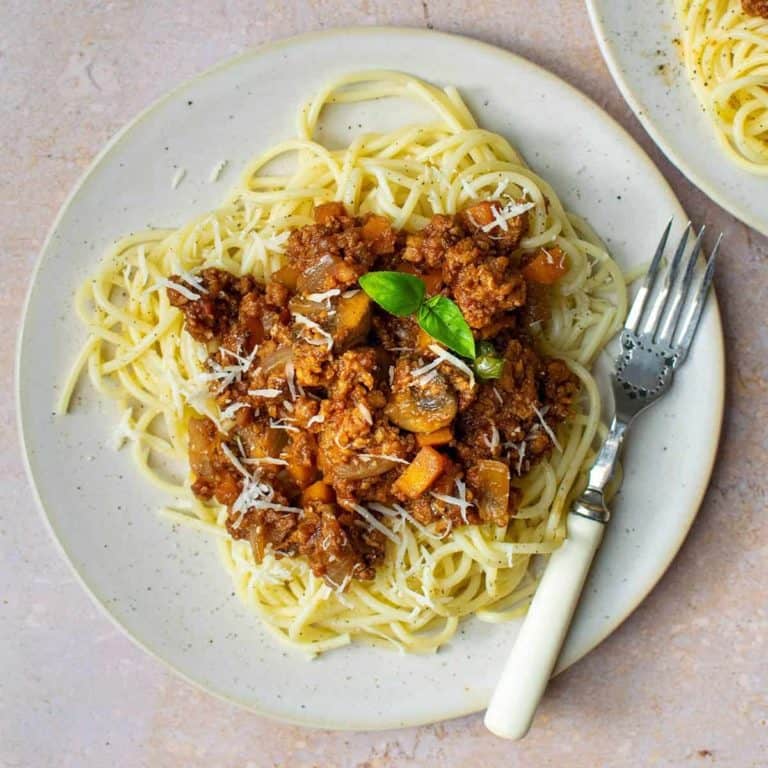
[682,683]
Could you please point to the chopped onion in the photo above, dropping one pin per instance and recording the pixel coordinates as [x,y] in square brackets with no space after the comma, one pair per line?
[277,358]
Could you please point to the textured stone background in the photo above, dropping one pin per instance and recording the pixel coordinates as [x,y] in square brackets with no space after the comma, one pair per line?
[682,683]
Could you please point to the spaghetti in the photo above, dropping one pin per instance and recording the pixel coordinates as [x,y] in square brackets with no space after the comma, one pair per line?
[138,354]
[725,50]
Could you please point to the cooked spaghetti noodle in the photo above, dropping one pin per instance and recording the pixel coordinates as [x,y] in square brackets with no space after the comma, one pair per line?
[138,354]
[725,50]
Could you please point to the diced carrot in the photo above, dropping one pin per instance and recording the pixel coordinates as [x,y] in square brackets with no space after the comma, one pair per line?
[318,491]
[409,269]
[326,211]
[374,228]
[420,474]
[287,276]
[438,437]
[433,281]
[303,474]
[547,266]
[378,233]
[481,214]
[423,339]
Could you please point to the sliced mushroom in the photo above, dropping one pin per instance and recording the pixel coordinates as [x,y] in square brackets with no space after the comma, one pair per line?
[260,440]
[492,479]
[202,447]
[361,468]
[424,408]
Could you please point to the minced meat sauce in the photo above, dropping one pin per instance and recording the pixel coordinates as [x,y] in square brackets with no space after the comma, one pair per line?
[328,424]
[756,7]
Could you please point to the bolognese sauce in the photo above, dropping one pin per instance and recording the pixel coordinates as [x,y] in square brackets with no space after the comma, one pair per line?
[335,412]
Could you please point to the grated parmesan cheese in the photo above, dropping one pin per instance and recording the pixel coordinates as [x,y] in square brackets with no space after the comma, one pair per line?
[327,339]
[267,393]
[280,424]
[520,455]
[178,177]
[365,413]
[276,243]
[547,428]
[228,374]
[194,281]
[459,501]
[427,377]
[290,378]
[445,356]
[236,463]
[266,460]
[406,515]
[386,456]
[374,523]
[178,287]
[493,443]
[217,170]
[469,188]
[501,217]
[383,509]
[500,187]
[425,369]
[319,298]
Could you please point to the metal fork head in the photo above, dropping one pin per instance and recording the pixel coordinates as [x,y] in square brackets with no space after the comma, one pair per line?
[659,329]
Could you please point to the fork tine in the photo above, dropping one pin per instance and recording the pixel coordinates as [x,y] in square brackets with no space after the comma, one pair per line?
[689,329]
[669,326]
[636,310]
[659,306]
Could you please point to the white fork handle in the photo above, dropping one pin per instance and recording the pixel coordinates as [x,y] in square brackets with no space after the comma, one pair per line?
[538,644]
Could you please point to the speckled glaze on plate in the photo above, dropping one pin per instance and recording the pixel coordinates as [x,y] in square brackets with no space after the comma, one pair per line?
[165,586]
[636,40]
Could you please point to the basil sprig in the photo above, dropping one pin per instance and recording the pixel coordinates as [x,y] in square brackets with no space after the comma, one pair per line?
[488,365]
[402,294]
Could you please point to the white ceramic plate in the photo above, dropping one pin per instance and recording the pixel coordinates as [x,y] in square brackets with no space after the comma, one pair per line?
[165,586]
[636,42]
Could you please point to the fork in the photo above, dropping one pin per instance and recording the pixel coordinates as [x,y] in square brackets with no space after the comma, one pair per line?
[655,341]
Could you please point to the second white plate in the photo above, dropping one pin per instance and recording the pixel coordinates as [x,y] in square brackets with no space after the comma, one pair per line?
[636,40]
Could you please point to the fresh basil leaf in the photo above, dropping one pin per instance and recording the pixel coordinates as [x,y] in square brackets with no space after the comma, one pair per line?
[488,367]
[443,321]
[400,294]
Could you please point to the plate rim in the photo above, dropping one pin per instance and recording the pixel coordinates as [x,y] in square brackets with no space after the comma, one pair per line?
[472,706]
[607,51]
